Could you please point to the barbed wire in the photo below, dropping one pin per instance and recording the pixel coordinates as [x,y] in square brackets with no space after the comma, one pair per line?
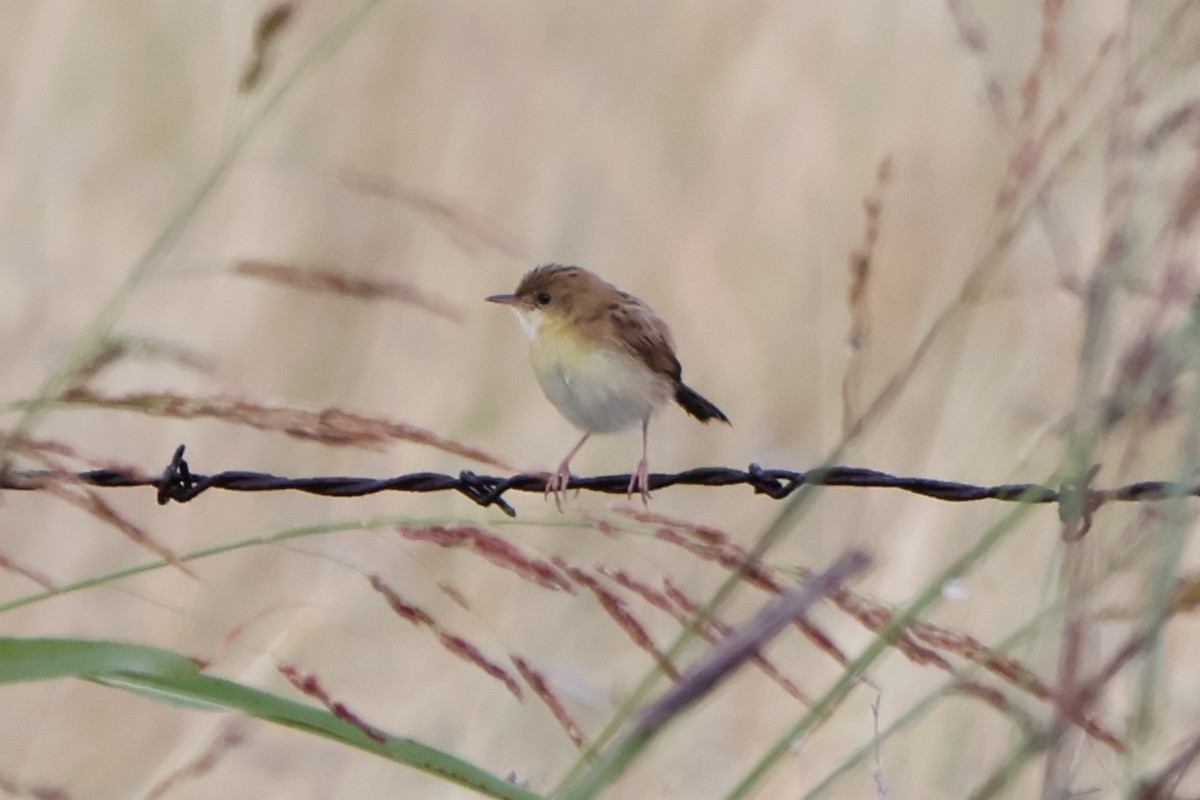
[179,484]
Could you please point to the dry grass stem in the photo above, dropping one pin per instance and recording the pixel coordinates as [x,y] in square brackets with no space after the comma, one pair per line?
[343,283]
[332,426]
[311,686]
[230,737]
[452,642]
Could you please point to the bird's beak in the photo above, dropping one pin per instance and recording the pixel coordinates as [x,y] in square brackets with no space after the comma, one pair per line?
[504,299]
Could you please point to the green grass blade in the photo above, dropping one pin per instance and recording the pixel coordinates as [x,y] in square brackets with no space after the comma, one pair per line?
[175,678]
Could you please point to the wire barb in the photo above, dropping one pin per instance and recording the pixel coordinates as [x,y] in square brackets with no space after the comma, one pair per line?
[179,484]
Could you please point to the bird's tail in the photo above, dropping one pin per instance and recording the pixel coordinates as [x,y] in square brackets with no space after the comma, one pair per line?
[697,406]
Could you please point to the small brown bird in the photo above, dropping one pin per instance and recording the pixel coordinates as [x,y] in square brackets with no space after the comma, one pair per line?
[603,358]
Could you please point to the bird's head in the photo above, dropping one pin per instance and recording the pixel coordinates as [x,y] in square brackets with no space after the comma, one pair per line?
[552,293]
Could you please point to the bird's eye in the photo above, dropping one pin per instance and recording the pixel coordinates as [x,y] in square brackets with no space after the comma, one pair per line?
[543,298]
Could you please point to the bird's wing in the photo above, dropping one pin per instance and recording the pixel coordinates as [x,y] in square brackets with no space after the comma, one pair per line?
[646,336]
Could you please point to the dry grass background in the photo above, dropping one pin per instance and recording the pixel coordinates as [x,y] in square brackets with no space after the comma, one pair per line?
[712,158]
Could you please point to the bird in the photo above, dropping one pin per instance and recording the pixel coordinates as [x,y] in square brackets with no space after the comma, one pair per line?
[603,358]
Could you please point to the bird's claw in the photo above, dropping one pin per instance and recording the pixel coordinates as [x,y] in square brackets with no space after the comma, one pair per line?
[640,481]
[556,484]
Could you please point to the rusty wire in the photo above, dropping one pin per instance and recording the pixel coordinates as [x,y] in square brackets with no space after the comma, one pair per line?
[179,484]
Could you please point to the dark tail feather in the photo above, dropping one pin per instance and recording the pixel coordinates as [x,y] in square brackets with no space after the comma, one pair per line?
[697,406]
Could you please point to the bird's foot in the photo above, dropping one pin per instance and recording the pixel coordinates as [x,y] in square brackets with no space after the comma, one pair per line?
[557,482]
[640,481]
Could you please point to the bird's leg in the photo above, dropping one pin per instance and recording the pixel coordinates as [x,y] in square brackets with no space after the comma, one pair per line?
[640,480]
[557,482]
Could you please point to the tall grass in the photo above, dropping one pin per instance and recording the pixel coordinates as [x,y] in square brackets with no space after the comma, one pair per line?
[945,239]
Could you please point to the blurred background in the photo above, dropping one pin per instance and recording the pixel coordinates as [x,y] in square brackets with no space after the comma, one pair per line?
[727,163]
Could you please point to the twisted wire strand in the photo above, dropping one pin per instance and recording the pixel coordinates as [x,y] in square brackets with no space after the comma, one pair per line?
[179,484]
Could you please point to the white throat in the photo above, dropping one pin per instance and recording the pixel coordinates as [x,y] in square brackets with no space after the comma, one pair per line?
[530,322]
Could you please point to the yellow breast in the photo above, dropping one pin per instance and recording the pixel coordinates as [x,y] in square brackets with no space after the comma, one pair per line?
[599,389]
